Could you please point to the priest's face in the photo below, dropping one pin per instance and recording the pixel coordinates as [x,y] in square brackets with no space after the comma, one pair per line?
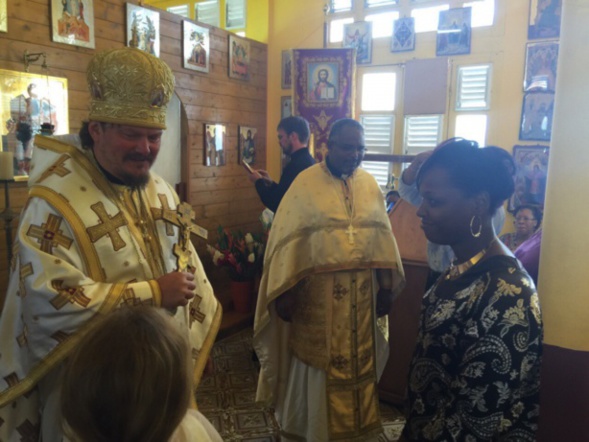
[126,152]
[346,150]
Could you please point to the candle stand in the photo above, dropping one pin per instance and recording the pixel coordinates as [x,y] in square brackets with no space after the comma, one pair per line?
[8,215]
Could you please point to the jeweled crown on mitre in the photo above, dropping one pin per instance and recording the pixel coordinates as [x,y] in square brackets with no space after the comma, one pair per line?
[129,86]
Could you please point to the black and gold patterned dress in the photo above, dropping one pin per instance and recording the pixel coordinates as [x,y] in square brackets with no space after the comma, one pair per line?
[475,373]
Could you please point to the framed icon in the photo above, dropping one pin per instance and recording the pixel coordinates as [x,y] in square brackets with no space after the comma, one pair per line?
[239,58]
[143,29]
[540,70]
[536,119]
[247,144]
[358,35]
[454,32]
[72,22]
[196,47]
[403,39]
[214,145]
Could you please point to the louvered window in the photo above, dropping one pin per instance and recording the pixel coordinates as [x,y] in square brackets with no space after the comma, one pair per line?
[340,5]
[473,87]
[208,12]
[378,135]
[235,14]
[181,10]
[373,3]
[422,133]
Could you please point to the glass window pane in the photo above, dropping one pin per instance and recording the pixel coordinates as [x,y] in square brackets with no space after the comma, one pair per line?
[483,13]
[373,3]
[336,29]
[207,12]
[181,10]
[378,91]
[382,24]
[341,5]
[426,19]
[234,14]
[472,127]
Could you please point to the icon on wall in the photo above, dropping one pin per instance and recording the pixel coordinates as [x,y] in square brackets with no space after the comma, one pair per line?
[239,58]
[72,22]
[214,145]
[196,47]
[403,35]
[247,144]
[143,29]
[454,32]
[358,35]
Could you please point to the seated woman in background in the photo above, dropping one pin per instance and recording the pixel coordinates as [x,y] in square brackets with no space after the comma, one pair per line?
[527,219]
[475,373]
[130,379]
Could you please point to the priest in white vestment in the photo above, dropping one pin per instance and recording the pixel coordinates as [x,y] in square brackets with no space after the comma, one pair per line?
[331,271]
[99,232]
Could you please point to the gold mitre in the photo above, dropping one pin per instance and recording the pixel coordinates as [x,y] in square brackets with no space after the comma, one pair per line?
[129,86]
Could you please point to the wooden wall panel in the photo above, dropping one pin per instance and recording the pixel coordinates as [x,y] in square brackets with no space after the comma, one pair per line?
[219,195]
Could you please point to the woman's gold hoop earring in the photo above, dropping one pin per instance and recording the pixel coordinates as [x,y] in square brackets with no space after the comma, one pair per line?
[472,221]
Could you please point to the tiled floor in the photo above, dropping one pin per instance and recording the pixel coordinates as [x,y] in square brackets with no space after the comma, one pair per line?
[227,396]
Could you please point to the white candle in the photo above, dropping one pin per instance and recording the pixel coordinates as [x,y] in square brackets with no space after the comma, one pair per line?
[6,166]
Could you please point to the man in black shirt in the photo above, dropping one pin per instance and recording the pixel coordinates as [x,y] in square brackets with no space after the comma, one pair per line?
[293,136]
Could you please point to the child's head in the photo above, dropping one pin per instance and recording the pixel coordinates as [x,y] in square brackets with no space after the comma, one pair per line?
[128,379]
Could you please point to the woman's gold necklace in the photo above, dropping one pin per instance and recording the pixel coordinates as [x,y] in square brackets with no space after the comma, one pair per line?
[456,270]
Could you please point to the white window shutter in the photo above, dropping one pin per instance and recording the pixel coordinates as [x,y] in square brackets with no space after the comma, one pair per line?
[235,14]
[473,88]
[208,12]
[422,133]
[341,5]
[373,3]
[181,10]
[378,135]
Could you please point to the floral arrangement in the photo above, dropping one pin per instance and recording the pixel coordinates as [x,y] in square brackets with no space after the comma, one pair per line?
[242,254]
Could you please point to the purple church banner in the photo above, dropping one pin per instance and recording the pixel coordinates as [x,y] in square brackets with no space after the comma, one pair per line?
[324,90]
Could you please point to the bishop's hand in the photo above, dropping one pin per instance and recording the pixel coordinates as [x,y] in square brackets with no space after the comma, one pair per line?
[177,289]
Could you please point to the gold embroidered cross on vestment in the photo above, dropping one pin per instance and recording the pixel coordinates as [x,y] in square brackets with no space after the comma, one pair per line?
[49,235]
[108,226]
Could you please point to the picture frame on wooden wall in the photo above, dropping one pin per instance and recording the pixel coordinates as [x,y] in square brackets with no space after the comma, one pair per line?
[196,47]
[536,118]
[239,58]
[540,69]
[285,106]
[143,29]
[3,16]
[286,69]
[358,35]
[403,39]
[72,22]
[454,32]
[247,144]
[544,21]
[531,170]
[28,103]
[214,145]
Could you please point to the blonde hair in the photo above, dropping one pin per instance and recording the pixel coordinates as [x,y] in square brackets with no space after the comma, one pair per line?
[128,379]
